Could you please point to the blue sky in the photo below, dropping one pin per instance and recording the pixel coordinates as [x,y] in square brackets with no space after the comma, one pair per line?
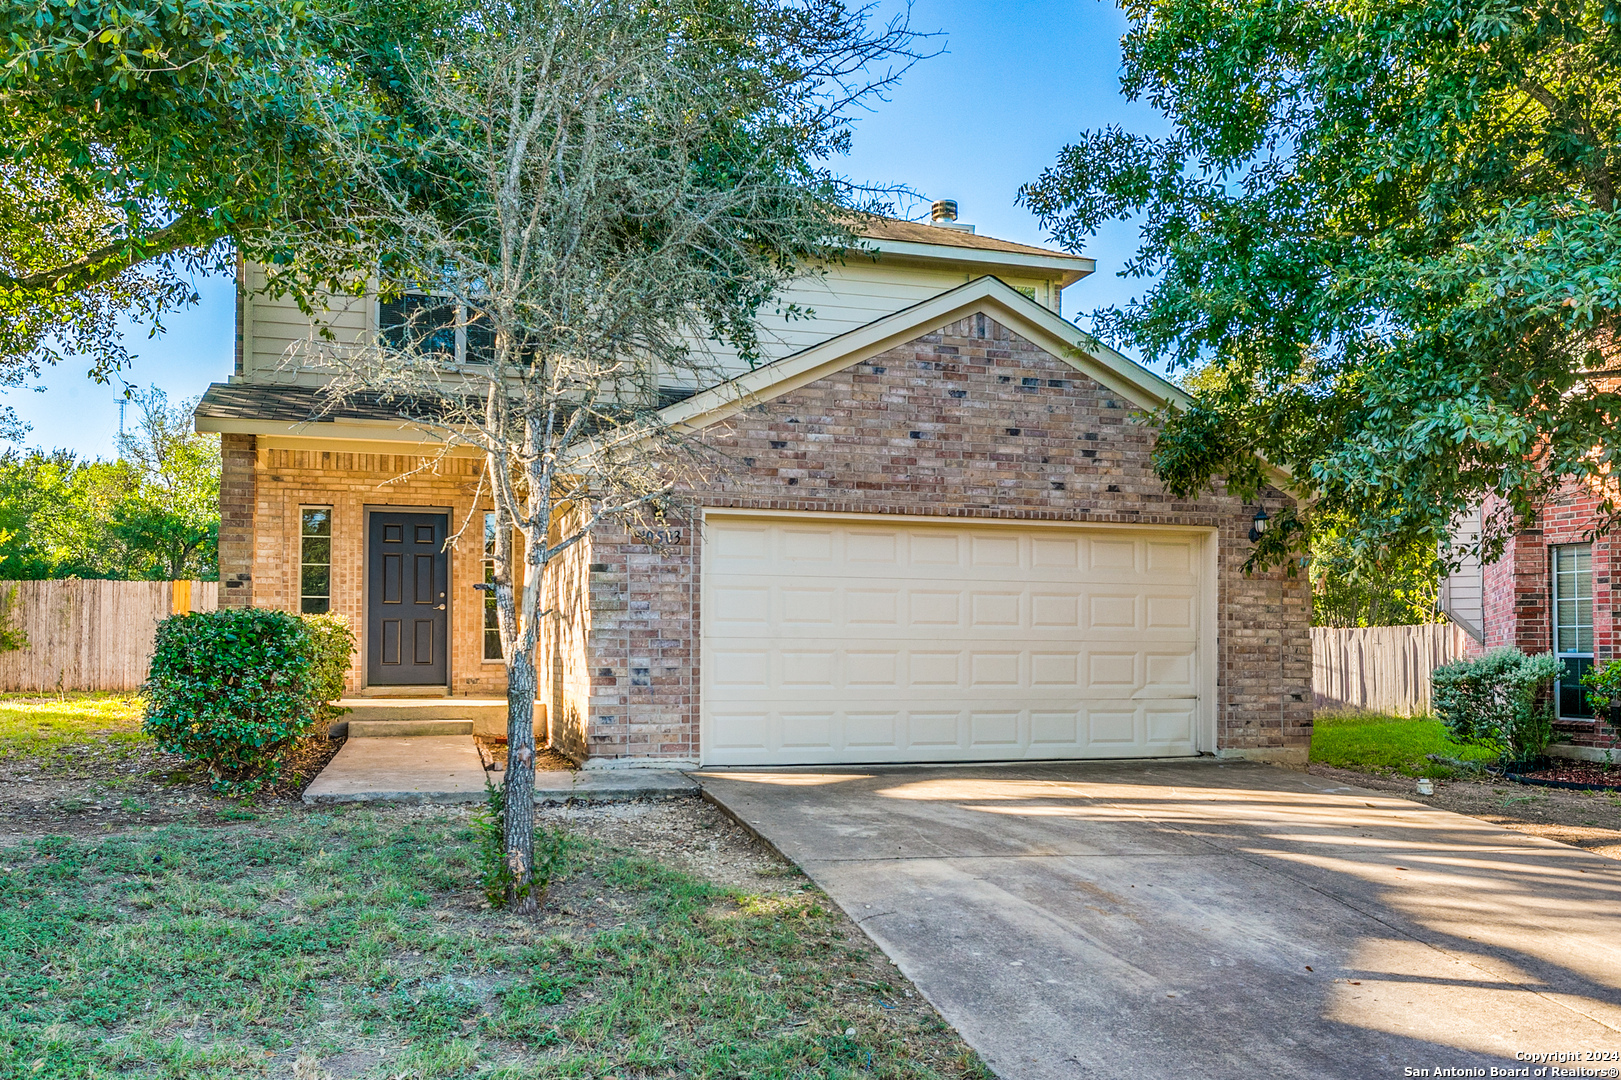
[1017,81]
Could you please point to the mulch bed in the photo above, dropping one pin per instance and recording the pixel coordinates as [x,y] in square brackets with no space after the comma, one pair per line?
[1591,774]
[494,753]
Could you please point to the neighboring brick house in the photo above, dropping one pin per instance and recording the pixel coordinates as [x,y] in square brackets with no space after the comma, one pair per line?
[939,537]
[1549,591]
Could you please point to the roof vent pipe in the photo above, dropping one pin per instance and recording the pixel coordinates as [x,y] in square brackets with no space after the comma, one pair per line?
[943,215]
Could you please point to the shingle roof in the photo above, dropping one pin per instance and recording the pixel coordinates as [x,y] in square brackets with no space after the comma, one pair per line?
[296,404]
[917,232]
[311,405]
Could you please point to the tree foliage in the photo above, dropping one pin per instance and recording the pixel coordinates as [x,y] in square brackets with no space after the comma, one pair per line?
[1393,229]
[151,514]
[140,142]
[1400,585]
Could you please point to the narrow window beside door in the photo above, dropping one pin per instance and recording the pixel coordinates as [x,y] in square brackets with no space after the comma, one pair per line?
[1573,625]
[315,560]
[492,627]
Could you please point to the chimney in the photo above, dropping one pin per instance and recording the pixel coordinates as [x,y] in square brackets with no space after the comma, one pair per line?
[943,215]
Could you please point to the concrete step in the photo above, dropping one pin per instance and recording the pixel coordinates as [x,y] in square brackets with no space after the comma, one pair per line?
[392,717]
[378,729]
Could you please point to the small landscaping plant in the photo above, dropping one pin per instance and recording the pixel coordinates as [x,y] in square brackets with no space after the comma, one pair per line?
[1497,700]
[233,688]
[495,876]
[1604,694]
[334,645]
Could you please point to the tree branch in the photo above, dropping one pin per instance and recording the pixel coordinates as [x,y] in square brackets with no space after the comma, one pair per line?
[107,262]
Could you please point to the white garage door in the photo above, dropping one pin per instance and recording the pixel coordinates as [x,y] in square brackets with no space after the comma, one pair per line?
[829,641]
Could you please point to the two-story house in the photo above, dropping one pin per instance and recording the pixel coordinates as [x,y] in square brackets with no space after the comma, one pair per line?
[942,540]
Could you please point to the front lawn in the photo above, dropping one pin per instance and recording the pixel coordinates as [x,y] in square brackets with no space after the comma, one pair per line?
[41,726]
[1382,743]
[357,944]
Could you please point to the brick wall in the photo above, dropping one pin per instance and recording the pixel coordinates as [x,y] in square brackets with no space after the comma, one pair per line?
[1519,596]
[968,422]
[281,481]
[237,498]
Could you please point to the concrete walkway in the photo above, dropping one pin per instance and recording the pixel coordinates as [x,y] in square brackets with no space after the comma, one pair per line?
[448,769]
[1206,920]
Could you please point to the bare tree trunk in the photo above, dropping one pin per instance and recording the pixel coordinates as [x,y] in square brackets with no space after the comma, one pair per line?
[518,805]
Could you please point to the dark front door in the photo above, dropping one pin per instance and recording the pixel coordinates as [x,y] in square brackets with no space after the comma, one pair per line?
[406,614]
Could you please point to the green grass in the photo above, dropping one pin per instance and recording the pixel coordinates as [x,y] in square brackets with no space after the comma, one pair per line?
[34,726]
[194,952]
[1377,742]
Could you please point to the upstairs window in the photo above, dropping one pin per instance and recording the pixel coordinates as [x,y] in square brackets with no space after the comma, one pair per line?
[436,326]
[315,560]
[1573,626]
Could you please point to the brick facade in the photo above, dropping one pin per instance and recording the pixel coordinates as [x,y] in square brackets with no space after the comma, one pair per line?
[1517,596]
[261,492]
[238,477]
[971,421]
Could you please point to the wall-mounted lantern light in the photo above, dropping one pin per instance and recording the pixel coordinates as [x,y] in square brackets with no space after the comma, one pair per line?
[1258,524]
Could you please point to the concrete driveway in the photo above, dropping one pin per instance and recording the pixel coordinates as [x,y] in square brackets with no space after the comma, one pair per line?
[1196,919]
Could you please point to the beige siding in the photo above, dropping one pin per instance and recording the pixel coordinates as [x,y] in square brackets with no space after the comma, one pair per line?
[275,331]
[1462,591]
[852,295]
[838,300]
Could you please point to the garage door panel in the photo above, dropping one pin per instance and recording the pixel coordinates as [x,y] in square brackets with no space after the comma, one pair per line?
[729,668]
[809,607]
[933,549]
[872,730]
[731,731]
[1117,725]
[807,730]
[988,730]
[1056,670]
[1113,612]
[1170,671]
[1169,724]
[1170,558]
[1169,613]
[872,607]
[870,643]
[1055,729]
[806,545]
[1112,556]
[935,730]
[934,669]
[993,670]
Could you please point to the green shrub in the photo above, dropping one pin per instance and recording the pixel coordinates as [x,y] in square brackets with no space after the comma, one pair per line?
[231,688]
[1604,694]
[334,645]
[1496,700]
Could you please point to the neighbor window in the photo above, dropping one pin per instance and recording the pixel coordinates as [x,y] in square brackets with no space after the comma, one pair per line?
[315,560]
[492,627]
[416,322]
[1573,625]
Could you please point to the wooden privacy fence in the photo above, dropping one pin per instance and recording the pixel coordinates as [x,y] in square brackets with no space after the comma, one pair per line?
[90,635]
[1381,668]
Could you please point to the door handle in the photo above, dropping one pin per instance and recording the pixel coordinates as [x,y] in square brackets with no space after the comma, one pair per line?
[438,607]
